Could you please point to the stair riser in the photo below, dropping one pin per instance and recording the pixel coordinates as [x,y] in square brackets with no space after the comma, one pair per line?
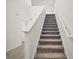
[50,37]
[50,26]
[42,50]
[50,43]
[50,19]
[50,22]
[50,32]
[50,58]
[47,18]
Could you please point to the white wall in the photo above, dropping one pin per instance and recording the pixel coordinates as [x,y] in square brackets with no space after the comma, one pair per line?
[64,17]
[65,9]
[17,12]
[33,36]
[47,3]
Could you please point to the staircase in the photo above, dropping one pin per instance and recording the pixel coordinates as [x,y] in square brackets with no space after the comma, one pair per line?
[50,43]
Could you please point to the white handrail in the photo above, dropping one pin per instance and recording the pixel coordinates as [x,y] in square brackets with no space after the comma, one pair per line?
[33,18]
[66,29]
